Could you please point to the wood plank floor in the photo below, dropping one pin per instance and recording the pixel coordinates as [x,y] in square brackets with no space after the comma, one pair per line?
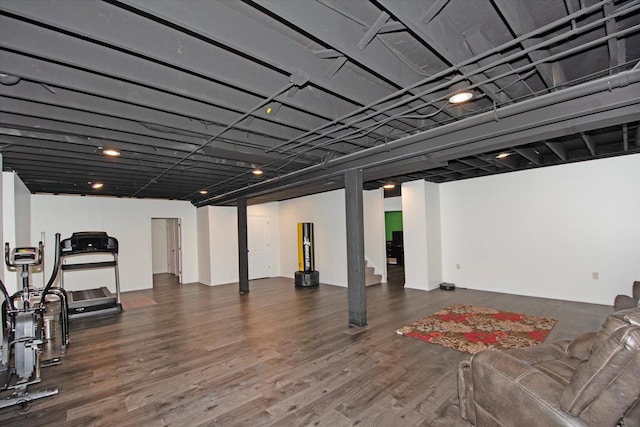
[278,356]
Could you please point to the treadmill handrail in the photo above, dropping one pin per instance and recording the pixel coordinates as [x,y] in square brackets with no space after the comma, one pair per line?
[88,265]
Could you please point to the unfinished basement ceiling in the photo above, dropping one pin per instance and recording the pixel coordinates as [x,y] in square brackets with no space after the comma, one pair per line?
[197,94]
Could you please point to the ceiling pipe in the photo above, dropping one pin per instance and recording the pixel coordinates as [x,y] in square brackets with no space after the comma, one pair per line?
[495,115]
[451,70]
[489,80]
[604,84]
[149,10]
[306,175]
[477,71]
[295,80]
[486,67]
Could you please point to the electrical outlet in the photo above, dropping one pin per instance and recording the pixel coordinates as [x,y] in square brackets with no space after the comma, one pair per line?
[595,275]
[457,266]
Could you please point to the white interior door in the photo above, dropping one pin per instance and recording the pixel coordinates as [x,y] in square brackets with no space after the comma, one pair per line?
[258,243]
[159,246]
[173,247]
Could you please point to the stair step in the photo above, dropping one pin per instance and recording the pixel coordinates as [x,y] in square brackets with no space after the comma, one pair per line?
[370,277]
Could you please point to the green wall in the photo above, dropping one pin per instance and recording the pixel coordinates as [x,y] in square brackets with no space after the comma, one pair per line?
[392,222]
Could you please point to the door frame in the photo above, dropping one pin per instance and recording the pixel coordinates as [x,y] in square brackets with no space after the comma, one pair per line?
[173,226]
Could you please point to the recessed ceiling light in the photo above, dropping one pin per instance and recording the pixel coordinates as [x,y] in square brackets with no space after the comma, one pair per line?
[110,152]
[459,92]
[503,155]
[389,186]
[257,172]
[97,185]
[203,191]
[460,97]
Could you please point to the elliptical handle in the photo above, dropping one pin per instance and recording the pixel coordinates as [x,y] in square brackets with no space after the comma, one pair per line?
[7,255]
[40,252]
[56,268]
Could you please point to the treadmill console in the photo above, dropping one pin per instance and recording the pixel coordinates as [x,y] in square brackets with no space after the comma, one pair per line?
[89,242]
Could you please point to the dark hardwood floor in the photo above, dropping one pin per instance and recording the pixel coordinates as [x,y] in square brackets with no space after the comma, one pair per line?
[277,356]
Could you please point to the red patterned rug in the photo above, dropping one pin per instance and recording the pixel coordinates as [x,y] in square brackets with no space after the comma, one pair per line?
[472,329]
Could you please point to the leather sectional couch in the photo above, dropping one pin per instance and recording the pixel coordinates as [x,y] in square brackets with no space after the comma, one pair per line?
[592,380]
[622,302]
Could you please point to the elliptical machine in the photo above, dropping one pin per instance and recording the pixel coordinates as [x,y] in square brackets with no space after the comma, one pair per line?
[23,335]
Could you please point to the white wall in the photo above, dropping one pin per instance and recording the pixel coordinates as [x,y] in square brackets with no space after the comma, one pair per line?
[204,253]
[159,263]
[223,244]
[22,212]
[272,212]
[392,204]
[375,248]
[543,232]
[218,242]
[421,234]
[434,235]
[128,220]
[327,213]
[16,225]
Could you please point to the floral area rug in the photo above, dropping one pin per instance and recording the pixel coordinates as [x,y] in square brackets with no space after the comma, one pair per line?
[472,329]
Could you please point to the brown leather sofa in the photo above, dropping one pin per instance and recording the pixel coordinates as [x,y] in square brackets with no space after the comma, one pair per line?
[622,302]
[592,380]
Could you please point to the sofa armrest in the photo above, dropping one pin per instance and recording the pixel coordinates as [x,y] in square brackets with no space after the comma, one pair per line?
[604,388]
[465,391]
[582,346]
[624,302]
[509,392]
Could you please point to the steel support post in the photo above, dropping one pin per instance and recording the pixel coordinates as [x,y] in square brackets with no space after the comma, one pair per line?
[355,248]
[243,247]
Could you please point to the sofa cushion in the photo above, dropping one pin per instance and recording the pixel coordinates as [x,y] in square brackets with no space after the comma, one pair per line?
[555,359]
[507,391]
[606,386]
[581,346]
[615,321]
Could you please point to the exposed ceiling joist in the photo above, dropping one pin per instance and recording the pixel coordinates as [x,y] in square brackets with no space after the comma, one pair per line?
[196,95]
[516,126]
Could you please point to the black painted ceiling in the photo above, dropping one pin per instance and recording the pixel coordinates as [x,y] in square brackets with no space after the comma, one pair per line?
[196,94]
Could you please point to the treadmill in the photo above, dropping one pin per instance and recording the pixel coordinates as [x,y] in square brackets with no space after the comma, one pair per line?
[91,302]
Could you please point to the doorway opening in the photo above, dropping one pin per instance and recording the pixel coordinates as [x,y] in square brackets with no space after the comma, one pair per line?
[166,253]
[395,240]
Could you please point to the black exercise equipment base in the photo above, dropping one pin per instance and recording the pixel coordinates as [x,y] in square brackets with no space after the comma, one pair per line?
[92,302]
[306,279]
[96,310]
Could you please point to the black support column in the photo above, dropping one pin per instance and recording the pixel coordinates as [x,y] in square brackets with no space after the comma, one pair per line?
[243,247]
[355,248]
